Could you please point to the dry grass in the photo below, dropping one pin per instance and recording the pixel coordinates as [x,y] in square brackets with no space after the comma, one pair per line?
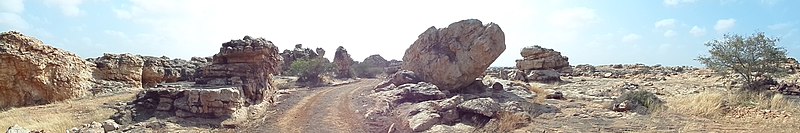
[61,116]
[508,121]
[706,104]
[713,104]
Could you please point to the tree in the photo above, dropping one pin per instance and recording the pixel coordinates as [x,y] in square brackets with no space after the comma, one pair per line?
[750,57]
[309,70]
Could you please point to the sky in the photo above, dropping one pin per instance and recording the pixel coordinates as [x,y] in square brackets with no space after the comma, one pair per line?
[669,32]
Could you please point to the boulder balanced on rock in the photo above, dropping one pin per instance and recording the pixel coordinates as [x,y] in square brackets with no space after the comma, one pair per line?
[453,57]
[541,64]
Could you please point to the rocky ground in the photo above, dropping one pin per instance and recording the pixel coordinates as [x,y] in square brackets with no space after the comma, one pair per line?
[443,85]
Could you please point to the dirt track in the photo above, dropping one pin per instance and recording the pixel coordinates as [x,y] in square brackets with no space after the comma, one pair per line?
[323,110]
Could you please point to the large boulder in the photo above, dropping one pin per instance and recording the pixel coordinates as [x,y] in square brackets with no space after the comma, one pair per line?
[249,63]
[33,73]
[453,57]
[125,68]
[343,62]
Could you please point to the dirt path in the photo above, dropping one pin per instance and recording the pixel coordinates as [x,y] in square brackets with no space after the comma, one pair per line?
[330,109]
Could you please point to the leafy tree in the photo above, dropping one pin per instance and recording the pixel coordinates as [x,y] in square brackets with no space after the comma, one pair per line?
[309,70]
[751,57]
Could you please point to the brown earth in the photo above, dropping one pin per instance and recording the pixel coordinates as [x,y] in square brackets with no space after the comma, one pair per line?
[325,109]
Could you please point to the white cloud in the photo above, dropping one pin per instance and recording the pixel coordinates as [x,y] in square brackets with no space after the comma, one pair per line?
[670,33]
[677,2]
[123,14]
[665,24]
[12,6]
[68,7]
[631,38]
[697,31]
[13,21]
[724,25]
[573,18]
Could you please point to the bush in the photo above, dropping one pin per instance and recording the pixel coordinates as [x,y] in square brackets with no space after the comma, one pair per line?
[365,71]
[752,57]
[642,102]
[309,70]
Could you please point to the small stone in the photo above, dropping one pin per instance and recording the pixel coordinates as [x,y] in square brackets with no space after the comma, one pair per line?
[110,125]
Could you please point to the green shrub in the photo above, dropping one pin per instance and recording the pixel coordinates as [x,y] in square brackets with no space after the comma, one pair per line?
[753,57]
[649,101]
[365,71]
[310,70]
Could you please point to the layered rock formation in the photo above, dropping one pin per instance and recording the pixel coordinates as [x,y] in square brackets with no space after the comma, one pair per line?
[343,62]
[541,64]
[144,71]
[453,57]
[33,73]
[249,63]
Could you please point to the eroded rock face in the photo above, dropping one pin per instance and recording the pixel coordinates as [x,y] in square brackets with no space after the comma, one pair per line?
[249,63]
[165,70]
[145,71]
[452,57]
[343,62]
[33,73]
[125,68]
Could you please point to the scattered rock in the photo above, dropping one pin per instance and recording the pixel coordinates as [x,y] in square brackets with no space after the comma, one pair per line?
[423,121]
[32,73]
[555,95]
[484,106]
[110,125]
[17,129]
[459,53]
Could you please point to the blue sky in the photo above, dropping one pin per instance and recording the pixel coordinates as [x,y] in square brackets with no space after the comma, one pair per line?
[670,32]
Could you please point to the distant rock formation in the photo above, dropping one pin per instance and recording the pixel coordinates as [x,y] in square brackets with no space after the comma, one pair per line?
[32,73]
[375,60]
[541,64]
[453,57]
[125,68]
[343,63]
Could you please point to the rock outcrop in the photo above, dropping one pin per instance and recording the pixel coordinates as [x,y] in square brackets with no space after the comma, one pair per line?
[375,61]
[144,71]
[299,53]
[165,70]
[343,63]
[125,68]
[541,64]
[453,57]
[249,63]
[32,73]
